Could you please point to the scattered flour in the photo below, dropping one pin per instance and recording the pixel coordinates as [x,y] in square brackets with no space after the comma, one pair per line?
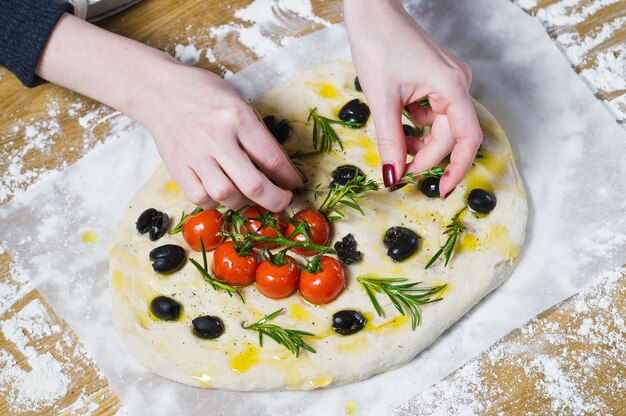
[187,54]
[46,380]
[561,385]
[607,73]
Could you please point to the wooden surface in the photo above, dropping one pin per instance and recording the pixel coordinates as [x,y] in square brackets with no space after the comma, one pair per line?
[72,124]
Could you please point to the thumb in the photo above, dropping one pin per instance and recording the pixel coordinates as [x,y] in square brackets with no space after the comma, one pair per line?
[387,115]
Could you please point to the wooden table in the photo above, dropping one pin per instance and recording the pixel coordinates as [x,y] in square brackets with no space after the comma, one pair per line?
[162,24]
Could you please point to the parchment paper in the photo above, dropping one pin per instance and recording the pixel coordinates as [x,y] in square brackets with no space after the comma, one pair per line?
[570,153]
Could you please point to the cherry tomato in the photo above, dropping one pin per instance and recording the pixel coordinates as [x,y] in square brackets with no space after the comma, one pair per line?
[254,225]
[325,285]
[232,268]
[278,282]
[205,224]
[318,234]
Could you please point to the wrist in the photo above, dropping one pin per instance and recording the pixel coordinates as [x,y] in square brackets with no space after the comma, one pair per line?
[114,70]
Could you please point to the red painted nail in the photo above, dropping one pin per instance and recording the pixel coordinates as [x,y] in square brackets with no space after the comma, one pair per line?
[389,175]
[448,194]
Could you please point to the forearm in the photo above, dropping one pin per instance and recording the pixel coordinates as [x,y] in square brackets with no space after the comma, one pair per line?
[117,71]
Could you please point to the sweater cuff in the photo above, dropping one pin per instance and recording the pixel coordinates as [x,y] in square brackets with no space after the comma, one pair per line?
[25,26]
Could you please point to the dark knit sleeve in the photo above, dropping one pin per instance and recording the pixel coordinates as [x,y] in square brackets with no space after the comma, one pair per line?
[25,26]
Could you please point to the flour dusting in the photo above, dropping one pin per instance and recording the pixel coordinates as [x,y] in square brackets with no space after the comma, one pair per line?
[560,367]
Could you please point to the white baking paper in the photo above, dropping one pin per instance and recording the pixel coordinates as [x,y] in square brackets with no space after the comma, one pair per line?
[571,156]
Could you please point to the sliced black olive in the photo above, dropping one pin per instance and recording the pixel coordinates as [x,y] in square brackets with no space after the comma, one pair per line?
[165,308]
[409,130]
[354,111]
[346,250]
[153,222]
[430,187]
[343,174]
[280,129]
[167,258]
[348,322]
[208,327]
[357,85]
[481,201]
[401,243]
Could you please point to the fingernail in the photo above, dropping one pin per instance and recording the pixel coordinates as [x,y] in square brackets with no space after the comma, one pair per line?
[302,175]
[448,194]
[389,175]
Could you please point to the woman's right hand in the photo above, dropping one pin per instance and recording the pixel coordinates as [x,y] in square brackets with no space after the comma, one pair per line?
[213,143]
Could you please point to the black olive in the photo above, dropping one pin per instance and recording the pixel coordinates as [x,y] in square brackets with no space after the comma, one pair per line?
[167,258]
[357,85]
[481,201]
[346,250]
[348,322]
[280,129]
[430,187]
[208,327]
[343,174]
[401,243]
[165,308]
[153,222]
[145,220]
[409,130]
[355,111]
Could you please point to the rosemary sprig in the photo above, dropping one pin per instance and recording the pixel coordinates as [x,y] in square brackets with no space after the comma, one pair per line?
[410,177]
[406,297]
[217,284]
[324,136]
[434,172]
[347,196]
[288,338]
[423,102]
[454,229]
[183,217]
[246,241]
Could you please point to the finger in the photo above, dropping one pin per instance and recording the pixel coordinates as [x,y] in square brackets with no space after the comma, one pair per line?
[468,136]
[387,114]
[250,181]
[219,187]
[422,116]
[414,145]
[263,149]
[437,145]
[193,188]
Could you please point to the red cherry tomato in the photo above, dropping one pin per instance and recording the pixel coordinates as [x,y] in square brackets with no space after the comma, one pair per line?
[205,224]
[232,268]
[278,282]
[255,226]
[325,285]
[318,234]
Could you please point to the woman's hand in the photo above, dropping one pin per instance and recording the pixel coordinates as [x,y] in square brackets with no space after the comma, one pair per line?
[398,63]
[213,143]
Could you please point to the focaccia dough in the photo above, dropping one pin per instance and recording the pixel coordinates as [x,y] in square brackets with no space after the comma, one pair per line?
[483,259]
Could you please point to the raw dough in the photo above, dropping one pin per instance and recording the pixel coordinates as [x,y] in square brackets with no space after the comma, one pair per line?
[483,259]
